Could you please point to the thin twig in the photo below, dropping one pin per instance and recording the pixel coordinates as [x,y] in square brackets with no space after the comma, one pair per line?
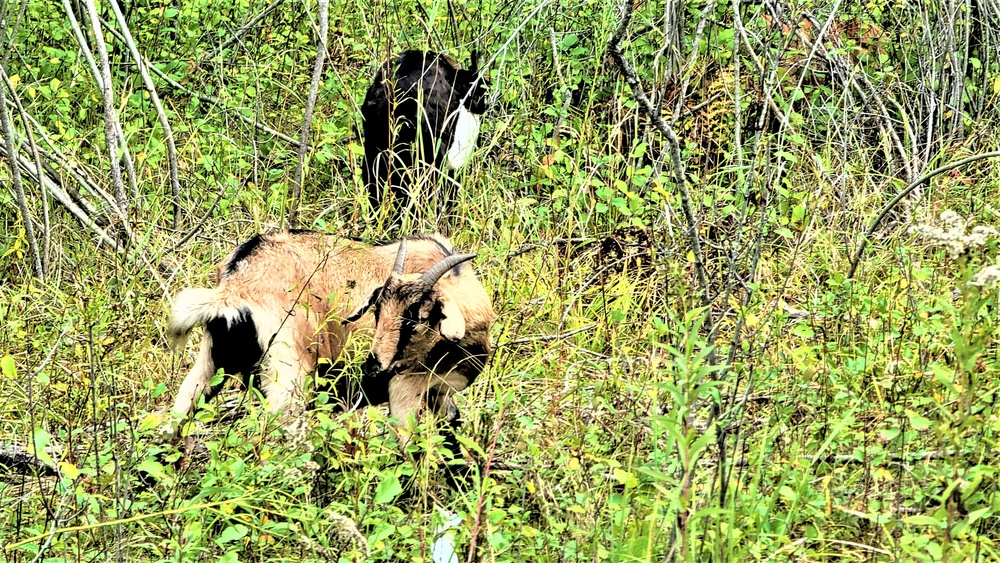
[321,42]
[10,32]
[197,227]
[851,459]
[71,168]
[708,10]
[53,188]
[110,116]
[614,46]
[241,31]
[843,67]
[902,194]
[212,100]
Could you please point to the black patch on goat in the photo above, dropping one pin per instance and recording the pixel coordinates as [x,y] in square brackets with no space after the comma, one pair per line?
[243,252]
[235,348]
[467,360]
[352,392]
[411,317]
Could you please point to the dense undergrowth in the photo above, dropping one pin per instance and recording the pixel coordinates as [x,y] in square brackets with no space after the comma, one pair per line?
[796,413]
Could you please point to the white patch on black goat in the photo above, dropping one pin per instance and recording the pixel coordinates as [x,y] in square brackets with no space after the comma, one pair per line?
[463,143]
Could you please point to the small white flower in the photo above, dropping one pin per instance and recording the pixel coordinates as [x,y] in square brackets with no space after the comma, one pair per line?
[987,277]
[952,235]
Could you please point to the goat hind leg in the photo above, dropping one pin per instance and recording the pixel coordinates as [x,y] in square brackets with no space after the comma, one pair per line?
[198,381]
[282,383]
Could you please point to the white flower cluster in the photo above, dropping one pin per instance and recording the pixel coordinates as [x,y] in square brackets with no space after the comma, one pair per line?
[952,234]
[309,467]
[987,277]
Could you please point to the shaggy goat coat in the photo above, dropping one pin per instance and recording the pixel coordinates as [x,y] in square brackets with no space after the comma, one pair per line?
[287,299]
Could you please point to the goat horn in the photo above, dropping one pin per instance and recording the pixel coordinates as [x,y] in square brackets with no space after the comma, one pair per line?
[397,268]
[438,270]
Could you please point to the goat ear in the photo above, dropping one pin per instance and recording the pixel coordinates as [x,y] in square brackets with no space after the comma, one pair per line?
[453,323]
[474,61]
[363,308]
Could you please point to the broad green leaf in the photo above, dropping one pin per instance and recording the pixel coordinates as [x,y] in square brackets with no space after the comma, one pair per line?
[233,533]
[7,367]
[388,490]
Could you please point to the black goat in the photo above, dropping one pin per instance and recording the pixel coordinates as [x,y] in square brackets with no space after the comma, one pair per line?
[420,109]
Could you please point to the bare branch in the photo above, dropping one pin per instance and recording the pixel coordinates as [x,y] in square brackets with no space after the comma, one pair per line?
[242,31]
[175,186]
[111,133]
[81,40]
[62,197]
[10,33]
[614,46]
[205,97]
[324,28]
[902,194]
[22,202]
[30,136]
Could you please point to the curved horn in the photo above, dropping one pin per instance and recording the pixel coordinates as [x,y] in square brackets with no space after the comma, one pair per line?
[397,267]
[438,270]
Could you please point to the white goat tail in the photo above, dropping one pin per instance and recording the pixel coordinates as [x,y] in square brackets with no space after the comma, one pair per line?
[195,307]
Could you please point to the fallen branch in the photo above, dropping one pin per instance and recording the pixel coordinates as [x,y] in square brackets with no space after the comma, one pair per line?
[53,187]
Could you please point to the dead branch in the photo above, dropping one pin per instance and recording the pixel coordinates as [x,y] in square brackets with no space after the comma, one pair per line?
[8,132]
[614,46]
[324,28]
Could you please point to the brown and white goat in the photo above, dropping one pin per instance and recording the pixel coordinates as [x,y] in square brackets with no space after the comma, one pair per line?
[285,300]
